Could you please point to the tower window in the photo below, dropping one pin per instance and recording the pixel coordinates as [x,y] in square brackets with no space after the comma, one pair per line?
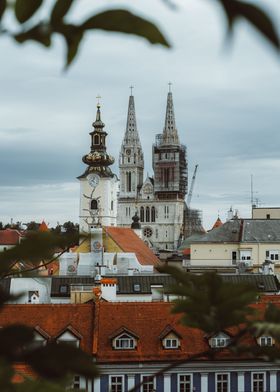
[166,177]
[94,204]
[96,139]
[147,214]
[153,214]
[128,181]
[142,214]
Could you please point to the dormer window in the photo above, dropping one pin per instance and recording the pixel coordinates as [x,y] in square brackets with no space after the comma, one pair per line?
[124,342]
[219,340]
[69,337]
[265,341]
[170,338]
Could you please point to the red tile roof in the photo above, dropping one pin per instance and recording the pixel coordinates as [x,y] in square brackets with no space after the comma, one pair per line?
[9,237]
[53,319]
[22,372]
[43,227]
[218,223]
[129,242]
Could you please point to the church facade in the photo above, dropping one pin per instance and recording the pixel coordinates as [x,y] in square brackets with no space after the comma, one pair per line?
[159,201]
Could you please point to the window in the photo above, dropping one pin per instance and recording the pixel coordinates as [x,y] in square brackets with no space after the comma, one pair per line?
[148,232]
[112,205]
[116,383]
[147,214]
[166,212]
[64,289]
[124,342]
[38,341]
[136,287]
[142,214]
[233,257]
[68,338]
[222,382]
[245,254]
[171,343]
[76,382]
[185,383]
[153,214]
[128,181]
[220,340]
[258,382]
[267,216]
[93,204]
[96,139]
[148,384]
[272,255]
[265,341]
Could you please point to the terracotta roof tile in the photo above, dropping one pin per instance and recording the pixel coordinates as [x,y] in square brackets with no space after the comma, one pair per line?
[129,242]
[22,372]
[9,237]
[53,319]
[43,227]
[218,223]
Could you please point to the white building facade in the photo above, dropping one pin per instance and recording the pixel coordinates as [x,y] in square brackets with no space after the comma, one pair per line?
[160,200]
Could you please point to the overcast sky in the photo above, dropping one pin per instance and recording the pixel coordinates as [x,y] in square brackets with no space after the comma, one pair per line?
[226,108]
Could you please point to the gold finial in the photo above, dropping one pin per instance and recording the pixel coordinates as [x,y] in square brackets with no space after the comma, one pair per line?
[170,84]
[131,89]
[98,102]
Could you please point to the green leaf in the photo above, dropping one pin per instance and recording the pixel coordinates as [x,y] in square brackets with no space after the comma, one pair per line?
[56,361]
[25,9]
[59,10]
[3,5]
[73,36]
[208,303]
[125,22]
[13,339]
[257,17]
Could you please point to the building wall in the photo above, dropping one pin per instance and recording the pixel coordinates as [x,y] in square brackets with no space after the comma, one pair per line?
[106,191]
[24,285]
[263,213]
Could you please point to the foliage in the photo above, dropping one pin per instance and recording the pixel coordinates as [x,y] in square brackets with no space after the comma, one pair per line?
[70,227]
[32,226]
[113,20]
[54,363]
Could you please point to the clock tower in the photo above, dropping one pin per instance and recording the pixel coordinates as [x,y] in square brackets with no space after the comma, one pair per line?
[98,185]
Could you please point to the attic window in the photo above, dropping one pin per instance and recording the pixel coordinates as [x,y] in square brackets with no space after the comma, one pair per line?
[265,341]
[124,342]
[219,340]
[136,287]
[171,343]
[68,338]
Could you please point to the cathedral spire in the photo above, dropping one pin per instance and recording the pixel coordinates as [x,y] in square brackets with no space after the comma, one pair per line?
[131,134]
[170,134]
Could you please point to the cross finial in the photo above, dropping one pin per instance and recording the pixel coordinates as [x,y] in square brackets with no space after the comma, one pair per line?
[98,99]
[131,89]
[170,84]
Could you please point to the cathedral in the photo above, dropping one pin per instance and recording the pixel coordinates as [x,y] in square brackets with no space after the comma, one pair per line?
[154,205]
[159,201]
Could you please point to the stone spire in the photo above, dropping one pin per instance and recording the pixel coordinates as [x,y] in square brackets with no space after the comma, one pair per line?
[170,134]
[131,136]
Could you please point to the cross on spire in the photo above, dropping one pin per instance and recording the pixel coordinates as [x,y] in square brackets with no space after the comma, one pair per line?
[98,98]
[131,89]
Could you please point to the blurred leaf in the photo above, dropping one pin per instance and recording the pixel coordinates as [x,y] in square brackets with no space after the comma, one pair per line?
[208,303]
[13,339]
[236,9]
[59,10]
[36,247]
[73,36]
[125,22]
[270,325]
[39,33]
[56,361]
[3,5]
[25,9]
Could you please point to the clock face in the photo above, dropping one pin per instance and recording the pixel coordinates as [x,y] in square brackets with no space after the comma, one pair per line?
[128,152]
[93,180]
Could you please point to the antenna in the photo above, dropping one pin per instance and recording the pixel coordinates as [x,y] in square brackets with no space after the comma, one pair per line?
[252,191]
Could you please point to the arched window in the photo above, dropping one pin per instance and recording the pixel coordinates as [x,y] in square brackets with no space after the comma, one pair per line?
[96,139]
[142,214]
[147,214]
[128,181]
[153,214]
[94,204]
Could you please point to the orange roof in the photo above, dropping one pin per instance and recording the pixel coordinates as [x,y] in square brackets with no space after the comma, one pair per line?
[43,227]
[129,242]
[9,237]
[217,224]
[53,319]
[22,372]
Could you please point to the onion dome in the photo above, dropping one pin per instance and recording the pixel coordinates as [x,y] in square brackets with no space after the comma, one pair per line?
[98,159]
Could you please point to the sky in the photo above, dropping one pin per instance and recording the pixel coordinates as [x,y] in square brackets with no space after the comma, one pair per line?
[226,102]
